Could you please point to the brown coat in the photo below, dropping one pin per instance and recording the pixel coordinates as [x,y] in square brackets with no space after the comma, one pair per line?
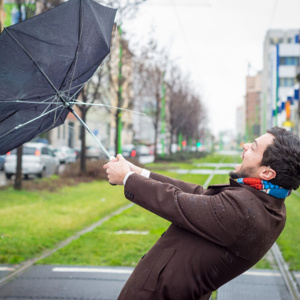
[215,235]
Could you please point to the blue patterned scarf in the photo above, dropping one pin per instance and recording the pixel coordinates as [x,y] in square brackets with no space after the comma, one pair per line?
[266,187]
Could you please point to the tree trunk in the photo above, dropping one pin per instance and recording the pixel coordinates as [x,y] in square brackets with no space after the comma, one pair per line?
[18,179]
[156,122]
[171,141]
[83,144]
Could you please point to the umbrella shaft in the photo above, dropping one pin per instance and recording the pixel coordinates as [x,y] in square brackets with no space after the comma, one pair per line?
[90,132]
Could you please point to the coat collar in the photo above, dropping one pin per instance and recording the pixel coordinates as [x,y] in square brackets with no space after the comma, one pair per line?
[269,202]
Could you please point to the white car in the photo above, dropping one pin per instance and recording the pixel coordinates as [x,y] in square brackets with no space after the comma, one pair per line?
[65,154]
[38,159]
[93,152]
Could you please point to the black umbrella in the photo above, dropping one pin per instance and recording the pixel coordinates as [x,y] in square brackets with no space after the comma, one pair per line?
[44,63]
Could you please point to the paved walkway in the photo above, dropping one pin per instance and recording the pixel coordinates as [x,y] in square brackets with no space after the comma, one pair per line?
[105,283]
[255,285]
[52,282]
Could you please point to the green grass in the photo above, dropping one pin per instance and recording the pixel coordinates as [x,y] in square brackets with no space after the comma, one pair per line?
[105,247]
[31,222]
[289,240]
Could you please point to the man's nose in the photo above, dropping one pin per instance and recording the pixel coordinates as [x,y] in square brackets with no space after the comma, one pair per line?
[246,146]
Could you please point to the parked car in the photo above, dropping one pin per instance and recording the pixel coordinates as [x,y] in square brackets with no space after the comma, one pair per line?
[65,154]
[2,160]
[142,150]
[93,152]
[37,159]
[128,150]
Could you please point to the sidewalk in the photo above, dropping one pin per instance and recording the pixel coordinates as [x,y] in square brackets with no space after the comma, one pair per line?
[105,283]
[255,284]
[67,282]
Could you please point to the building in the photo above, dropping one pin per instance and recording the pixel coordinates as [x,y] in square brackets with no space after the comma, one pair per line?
[281,58]
[252,106]
[240,124]
[67,134]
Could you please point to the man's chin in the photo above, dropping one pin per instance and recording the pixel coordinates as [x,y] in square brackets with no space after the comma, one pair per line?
[234,175]
[238,174]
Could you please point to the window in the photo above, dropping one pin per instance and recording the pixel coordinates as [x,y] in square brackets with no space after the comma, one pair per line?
[45,151]
[289,61]
[286,82]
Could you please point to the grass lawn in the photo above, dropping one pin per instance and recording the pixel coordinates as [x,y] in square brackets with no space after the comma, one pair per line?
[289,240]
[32,221]
[109,245]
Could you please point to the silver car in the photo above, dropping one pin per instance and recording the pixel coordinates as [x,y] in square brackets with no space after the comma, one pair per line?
[65,154]
[38,159]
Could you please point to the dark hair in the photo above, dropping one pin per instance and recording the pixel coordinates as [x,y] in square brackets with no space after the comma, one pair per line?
[283,156]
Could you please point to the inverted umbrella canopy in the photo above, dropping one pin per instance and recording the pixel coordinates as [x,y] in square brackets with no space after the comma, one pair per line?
[44,63]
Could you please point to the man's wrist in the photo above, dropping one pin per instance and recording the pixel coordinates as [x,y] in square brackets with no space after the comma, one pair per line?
[126,177]
[144,172]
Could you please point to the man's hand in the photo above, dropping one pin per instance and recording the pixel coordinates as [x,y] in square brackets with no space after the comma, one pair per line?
[134,168]
[117,169]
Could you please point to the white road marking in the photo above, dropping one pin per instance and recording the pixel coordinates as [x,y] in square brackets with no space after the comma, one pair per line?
[266,273]
[91,270]
[6,269]
[132,232]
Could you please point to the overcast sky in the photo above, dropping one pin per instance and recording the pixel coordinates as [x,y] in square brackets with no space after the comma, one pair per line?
[215,41]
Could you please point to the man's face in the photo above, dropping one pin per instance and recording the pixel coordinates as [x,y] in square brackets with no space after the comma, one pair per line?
[252,156]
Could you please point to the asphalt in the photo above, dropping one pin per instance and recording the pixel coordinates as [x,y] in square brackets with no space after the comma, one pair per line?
[65,282]
[105,283]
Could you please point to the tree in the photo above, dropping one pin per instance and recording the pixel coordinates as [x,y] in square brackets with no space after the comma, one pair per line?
[187,114]
[88,95]
[126,9]
[151,67]
[44,5]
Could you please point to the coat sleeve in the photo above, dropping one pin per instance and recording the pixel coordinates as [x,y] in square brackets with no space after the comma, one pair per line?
[183,186]
[218,218]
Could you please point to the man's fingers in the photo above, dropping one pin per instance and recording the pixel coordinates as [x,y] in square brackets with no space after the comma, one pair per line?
[120,157]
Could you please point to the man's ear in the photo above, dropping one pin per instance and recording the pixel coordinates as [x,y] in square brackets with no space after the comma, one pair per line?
[267,173]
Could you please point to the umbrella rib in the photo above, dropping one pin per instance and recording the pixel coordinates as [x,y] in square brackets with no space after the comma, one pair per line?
[106,105]
[26,101]
[32,120]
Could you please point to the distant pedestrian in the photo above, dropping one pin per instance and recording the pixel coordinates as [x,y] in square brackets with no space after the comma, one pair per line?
[216,233]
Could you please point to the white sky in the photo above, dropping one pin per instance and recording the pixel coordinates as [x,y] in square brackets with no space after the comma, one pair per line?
[214,40]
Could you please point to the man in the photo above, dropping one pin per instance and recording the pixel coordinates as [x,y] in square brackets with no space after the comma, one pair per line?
[216,233]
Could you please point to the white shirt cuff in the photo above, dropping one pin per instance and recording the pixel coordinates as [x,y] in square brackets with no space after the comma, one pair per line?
[126,177]
[145,173]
